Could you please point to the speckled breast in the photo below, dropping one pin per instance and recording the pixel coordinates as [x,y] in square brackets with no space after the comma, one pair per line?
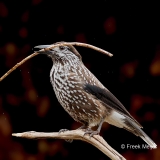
[69,90]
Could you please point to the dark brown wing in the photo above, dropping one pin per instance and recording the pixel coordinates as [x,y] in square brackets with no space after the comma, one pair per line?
[108,99]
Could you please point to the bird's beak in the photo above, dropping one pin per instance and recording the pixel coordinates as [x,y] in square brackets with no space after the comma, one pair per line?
[43,49]
[42,46]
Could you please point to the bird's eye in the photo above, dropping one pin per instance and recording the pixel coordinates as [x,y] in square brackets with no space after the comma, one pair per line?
[61,47]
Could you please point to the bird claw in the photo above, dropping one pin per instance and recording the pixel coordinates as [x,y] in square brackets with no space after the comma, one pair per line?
[82,127]
[63,130]
[67,140]
[91,132]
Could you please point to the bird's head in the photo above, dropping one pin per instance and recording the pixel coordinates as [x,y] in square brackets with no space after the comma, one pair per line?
[60,53]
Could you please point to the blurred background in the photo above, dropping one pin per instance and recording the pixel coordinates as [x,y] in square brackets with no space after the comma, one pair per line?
[27,101]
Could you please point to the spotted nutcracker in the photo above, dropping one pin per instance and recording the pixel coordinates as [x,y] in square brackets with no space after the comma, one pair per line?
[84,97]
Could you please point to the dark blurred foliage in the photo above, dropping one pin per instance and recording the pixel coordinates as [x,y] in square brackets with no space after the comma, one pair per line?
[130,31]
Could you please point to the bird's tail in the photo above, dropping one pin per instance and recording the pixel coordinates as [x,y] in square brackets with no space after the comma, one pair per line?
[135,129]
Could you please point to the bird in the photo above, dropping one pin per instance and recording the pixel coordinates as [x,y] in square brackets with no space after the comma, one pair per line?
[84,97]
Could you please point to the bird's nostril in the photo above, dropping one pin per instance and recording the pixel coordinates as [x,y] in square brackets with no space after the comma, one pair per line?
[52,49]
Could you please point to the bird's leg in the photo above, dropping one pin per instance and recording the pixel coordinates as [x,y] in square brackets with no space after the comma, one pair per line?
[91,132]
[82,127]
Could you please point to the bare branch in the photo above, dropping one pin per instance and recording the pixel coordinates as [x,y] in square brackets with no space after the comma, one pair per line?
[82,45]
[96,140]
[17,65]
[53,46]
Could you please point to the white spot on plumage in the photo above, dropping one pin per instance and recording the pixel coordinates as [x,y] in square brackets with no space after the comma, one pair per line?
[65,97]
[76,97]
[69,96]
[93,111]
[68,91]
[71,91]
[67,104]
[99,109]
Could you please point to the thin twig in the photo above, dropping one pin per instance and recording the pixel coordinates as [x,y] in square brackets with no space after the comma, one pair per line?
[53,46]
[17,65]
[82,45]
[96,140]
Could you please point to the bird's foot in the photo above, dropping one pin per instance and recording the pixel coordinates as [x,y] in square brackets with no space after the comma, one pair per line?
[67,140]
[63,130]
[91,132]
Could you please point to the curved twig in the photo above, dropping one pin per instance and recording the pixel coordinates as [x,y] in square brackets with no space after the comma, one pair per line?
[96,140]
[53,46]
[82,45]
[17,65]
